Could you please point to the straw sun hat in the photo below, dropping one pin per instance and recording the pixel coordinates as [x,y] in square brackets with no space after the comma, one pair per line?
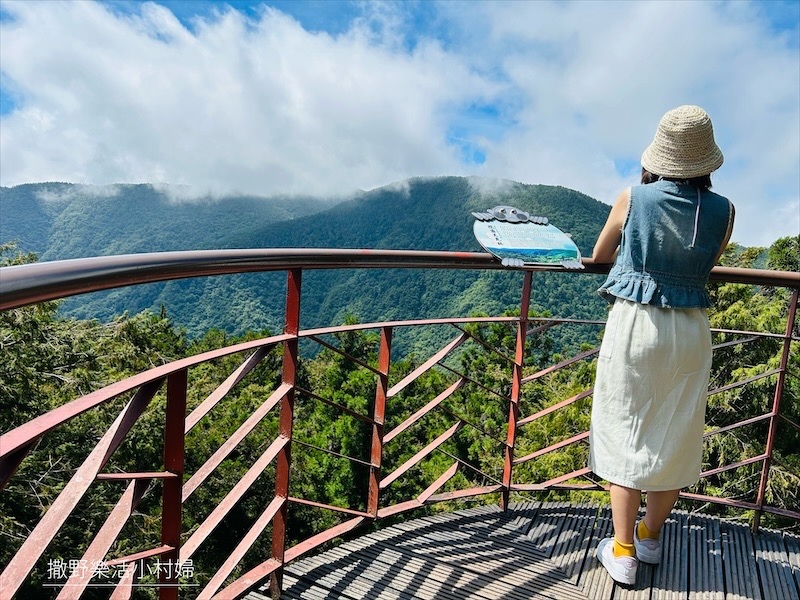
[684,145]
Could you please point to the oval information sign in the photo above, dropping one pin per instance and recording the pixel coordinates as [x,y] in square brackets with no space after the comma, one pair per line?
[527,243]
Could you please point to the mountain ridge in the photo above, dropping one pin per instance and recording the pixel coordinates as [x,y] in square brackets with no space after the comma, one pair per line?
[420,213]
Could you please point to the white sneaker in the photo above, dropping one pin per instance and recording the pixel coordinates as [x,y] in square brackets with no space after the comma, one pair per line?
[647,550]
[622,569]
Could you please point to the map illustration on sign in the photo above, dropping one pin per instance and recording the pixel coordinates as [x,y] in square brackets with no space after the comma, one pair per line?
[518,239]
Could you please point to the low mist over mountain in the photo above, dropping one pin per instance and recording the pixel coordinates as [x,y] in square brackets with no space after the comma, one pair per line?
[67,221]
[63,220]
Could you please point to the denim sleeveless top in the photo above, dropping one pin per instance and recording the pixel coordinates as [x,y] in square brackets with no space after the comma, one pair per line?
[670,240]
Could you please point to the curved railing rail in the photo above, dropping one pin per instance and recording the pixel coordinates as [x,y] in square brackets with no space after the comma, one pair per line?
[28,284]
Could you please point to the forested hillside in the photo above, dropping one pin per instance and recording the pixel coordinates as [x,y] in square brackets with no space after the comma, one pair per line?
[417,214]
[64,220]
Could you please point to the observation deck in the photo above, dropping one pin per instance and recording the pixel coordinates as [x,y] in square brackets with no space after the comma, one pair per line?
[444,501]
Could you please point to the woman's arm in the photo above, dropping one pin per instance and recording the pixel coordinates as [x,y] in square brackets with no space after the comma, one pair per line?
[727,235]
[605,249]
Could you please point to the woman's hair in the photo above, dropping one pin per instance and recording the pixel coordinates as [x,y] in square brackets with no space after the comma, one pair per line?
[703,182]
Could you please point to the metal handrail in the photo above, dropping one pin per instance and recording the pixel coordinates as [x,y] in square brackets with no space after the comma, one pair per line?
[37,282]
[23,285]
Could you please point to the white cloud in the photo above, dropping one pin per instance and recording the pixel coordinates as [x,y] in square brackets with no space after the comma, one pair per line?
[595,77]
[260,105]
[58,193]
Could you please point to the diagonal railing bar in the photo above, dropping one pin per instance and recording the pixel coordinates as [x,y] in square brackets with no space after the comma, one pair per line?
[222,509]
[427,365]
[736,465]
[256,575]
[249,581]
[743,382]
[241,549]
[737,425]
[468,493]
[436,485]
[129,418]
[561,365]
[533,331]
[34,545]
[471,467]
[226,386]
[469,379]
[353,459]
[143,475]
[557,446]
[137,556]
[341,352]
[736,342]
[478,428]
[124,589]
[102,542]
[788,421]
[11,461]
[422,411]
[399,508]
[420,455]
[562,321]
[554,407]
[732,502]
[332,507]
[320,538]
[233,440]
[331,403]
[757,334]
[785,466]
[35,428]
[483,343]
[556,483]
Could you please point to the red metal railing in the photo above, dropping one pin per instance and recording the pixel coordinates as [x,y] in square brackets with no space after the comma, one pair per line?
[28,284]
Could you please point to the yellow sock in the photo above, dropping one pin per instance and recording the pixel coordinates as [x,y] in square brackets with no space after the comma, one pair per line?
[644,533]
[621,549]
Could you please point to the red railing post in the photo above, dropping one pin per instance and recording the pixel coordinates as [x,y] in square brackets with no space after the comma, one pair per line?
[516,387]
[174,443]
[378,421]
[776,407]
[283,461]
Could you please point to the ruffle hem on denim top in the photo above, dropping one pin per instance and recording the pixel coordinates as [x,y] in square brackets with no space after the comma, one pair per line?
[665,290]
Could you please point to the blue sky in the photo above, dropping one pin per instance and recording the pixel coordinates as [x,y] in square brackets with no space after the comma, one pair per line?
[324,97]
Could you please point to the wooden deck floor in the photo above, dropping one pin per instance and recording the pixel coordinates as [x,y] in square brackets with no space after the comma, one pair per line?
[544,551]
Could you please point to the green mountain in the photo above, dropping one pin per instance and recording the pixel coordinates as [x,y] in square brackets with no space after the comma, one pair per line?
[62,220]
[416,214]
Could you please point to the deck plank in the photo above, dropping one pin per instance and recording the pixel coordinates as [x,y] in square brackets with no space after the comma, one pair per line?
[572,546]
[738,554]
[792,544]
[544,551]
[705,574]
[593,579]
[669,577]
[774,567]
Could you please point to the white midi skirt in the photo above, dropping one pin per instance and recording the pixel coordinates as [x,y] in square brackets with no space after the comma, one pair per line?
[649,402]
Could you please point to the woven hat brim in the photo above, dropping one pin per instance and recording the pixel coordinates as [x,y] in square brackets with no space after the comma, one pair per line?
[655,161]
